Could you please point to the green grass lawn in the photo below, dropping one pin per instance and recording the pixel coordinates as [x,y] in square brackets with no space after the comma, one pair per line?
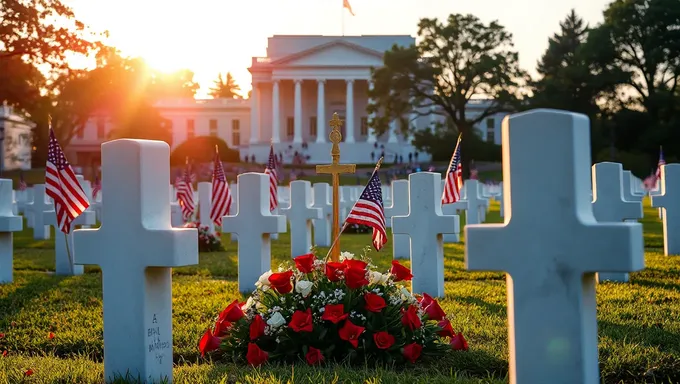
[639,326]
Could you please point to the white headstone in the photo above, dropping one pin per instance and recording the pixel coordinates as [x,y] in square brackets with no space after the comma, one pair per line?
[475,203]
[205,204]
[450,210]
[64,257]
[8,223]
[629,193]
[322,226]
[87,189]
[30,192]
[551,246]
[300,215]
[400,242]
[500,197]
[136,248]
[609,206]
[253,222]
[424,225]
[234,207]
[669,202]
[37,208]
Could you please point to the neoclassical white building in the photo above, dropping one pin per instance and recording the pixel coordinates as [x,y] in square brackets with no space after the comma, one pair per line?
[296,89]
[15,139]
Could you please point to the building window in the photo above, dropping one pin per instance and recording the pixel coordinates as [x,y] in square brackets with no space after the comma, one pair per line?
[290,127]
[364,126]
[191,128]
[312,126]
[490,130]
[235,133]
[101,128]
[213,127]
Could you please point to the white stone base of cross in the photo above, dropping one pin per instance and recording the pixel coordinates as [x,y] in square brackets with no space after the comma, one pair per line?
[9,223]
[551,246]
[401,244]
[300,215]
[322,226]
[63,256]
[670,204]
[424,225]
[205,205]
[136,248]
[253,222]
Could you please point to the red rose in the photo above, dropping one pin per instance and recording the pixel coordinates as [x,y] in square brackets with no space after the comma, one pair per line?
[425,300]
[334,313]
[355,278]
[208,343]
[434,311]
[383,340]
[412,352]
[281,282]
[302,321]
[350,332]
[255,355]
[221,328]
[305,263]
[257,327]
[231,313]
[446,329]
[400,272]
[458,343]
[334,269]
[351,263]
[374,303]
[410,318]
[314,356]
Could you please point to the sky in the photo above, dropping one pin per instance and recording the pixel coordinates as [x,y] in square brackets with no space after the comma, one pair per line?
[213,36]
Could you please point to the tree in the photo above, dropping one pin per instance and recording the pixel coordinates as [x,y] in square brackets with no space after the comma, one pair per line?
[225,88]
[451,64]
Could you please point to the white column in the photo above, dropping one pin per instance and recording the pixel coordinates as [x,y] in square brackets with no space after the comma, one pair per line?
[394,124]
[297,137]
[254,115]
[321,111]
[349,111]
[413,123]
[276,114]
[371,134]
[433,118]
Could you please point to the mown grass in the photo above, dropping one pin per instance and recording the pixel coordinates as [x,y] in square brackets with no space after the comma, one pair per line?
[638,322]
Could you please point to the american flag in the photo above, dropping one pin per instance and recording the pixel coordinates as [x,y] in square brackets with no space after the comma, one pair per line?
[96,188]
[368,210]
[185,194]
[662,161]
[454,177]
[273,179]
[62,186]
[22,182]
[221,196]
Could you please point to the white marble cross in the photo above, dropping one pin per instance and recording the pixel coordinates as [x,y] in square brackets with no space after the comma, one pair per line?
[322,226]
[87,189]
[233,210]
[475,203]
[670,204]
[136,248]
[400,242]
[629,193]
[300,214]
[205,205]
[253,222]
[453,209]
[424,225]
[63,256]
[8,223]
[551,246]
[609,205]
[37,209]
[26,211]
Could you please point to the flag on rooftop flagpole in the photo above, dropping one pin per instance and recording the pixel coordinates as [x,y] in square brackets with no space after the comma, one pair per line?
[185,194]
[369,210]
[453,183]
[345,4]
[221,195]
[62,186]
[270,170]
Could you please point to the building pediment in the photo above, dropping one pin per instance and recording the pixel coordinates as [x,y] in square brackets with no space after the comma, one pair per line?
[335,54]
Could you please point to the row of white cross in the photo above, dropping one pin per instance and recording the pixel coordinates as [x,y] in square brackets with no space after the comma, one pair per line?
[552,243]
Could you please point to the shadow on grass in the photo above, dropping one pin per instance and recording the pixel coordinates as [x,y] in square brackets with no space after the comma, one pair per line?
[13,301]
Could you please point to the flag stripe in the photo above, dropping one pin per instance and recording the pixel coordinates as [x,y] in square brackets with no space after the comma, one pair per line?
[221,196]
[270,170]
[369,211]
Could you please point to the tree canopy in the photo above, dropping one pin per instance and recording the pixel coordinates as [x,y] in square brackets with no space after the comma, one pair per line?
[201,149]
[225,87]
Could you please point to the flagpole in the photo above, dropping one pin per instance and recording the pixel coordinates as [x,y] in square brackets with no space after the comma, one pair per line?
[342,20]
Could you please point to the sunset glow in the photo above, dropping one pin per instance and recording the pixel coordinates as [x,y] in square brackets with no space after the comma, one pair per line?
[210,36]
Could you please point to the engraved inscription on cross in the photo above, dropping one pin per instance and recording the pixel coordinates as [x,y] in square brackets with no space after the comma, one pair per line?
[551,246]
[335,169]
[136,247]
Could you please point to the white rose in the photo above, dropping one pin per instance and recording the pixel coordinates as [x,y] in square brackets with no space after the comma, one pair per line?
[263,282]
[377,278]
[249,303]
[346,256]
[276,320]
[304,287]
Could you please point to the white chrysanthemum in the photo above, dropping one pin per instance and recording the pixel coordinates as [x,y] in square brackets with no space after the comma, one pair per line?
[263,282]
[276,320]
[377,278]
[346,256]
[304,287]
[248,304]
